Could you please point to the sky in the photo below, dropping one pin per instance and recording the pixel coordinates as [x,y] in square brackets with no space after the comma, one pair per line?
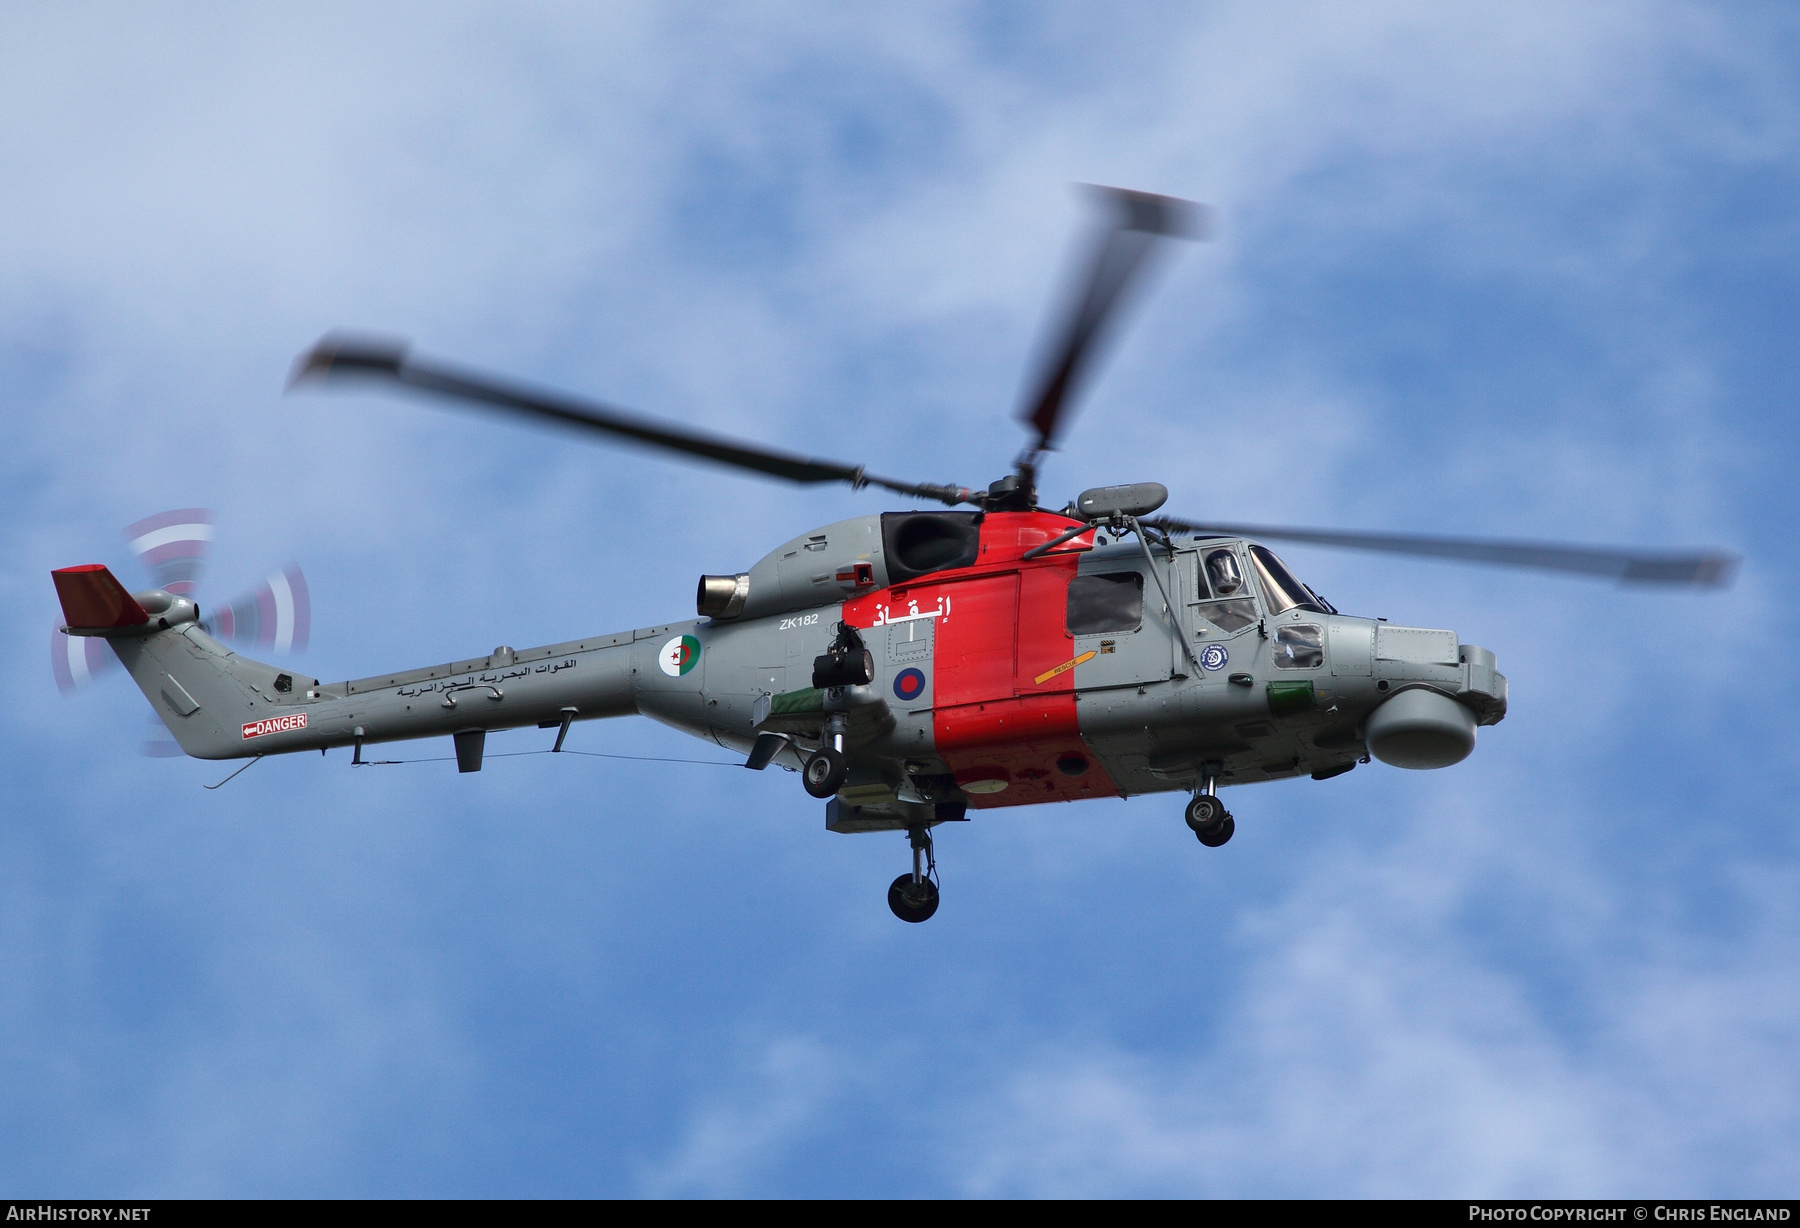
[1527,270]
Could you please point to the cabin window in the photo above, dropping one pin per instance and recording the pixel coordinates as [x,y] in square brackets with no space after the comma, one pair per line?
[1112,601]
[1222,570]
[1229,616]
[1299,646]
[1280,589]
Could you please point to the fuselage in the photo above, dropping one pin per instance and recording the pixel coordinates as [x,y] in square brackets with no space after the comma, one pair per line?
[1068,676]
[1099,668]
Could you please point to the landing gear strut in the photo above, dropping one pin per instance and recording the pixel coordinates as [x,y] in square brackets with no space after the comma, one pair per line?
[1207,816]
[914,897]
[827,769]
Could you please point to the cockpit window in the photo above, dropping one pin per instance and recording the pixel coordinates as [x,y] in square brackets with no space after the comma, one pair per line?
[1222,570]
[1282,591]
[1299,646]
[1229,616]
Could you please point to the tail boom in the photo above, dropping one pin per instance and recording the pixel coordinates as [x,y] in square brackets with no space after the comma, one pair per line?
[221,705]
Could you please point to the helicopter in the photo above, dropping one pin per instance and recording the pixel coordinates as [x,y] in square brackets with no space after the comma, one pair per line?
[914,666]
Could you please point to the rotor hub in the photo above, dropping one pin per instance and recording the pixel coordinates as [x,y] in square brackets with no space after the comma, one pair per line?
[1015,492]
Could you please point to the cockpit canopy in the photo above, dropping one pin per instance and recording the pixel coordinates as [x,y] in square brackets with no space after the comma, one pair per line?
[1281,590]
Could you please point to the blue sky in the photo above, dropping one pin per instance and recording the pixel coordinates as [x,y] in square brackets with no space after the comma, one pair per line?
[1527,270]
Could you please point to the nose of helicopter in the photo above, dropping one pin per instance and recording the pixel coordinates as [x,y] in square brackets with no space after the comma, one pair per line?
[1434,701]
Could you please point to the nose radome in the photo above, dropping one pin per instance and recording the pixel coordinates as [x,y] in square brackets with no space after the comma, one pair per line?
[1420,729]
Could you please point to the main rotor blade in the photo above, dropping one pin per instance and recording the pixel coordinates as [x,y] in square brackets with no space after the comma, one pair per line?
[1139,220]
[1700,569]
[341,355]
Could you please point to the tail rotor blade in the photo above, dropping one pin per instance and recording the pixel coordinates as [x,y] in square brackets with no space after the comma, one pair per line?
[276,614]
[1139,220]
[173,546]
[1687,569]
[77,660]
[159,743]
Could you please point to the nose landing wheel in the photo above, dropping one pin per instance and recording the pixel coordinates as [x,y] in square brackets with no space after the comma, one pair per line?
[912,901]
[1212,824]
[914,897]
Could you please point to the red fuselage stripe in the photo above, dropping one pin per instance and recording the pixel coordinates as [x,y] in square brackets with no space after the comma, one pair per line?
[1004,626]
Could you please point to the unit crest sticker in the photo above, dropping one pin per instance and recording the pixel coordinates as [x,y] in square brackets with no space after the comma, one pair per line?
[909,683]
[1214,657]
[679,655]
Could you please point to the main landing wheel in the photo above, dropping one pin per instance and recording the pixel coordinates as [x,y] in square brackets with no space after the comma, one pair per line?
[913,901]
[825,773]
[1207,816]
[1205,811]
[1213,839]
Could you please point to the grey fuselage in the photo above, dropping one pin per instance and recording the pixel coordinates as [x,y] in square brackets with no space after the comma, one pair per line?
[1099,668]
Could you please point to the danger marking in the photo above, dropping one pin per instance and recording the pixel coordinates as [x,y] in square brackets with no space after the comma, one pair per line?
[275,724]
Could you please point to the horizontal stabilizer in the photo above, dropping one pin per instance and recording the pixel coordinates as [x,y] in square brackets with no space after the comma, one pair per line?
[92,598]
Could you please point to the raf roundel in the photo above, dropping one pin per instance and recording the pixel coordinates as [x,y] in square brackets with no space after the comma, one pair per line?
[909,683]
[679,656]
[1214,657]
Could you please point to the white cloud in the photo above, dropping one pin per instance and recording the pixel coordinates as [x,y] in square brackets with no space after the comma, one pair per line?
[784,1093]
[1375,1050]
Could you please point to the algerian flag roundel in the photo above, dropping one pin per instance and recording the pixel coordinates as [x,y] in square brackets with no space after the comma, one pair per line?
[679,655]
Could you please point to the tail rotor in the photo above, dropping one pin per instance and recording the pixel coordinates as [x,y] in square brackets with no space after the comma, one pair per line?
[172,547]
[76,660]
[276,614]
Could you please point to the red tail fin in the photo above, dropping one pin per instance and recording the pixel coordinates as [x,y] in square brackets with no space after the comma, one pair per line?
[92,598]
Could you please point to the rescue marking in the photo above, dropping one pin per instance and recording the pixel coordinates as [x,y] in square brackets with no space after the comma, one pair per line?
[1064,668]
[1214,657]
[679,655]
[275,724]
[909,683]
[885,617]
